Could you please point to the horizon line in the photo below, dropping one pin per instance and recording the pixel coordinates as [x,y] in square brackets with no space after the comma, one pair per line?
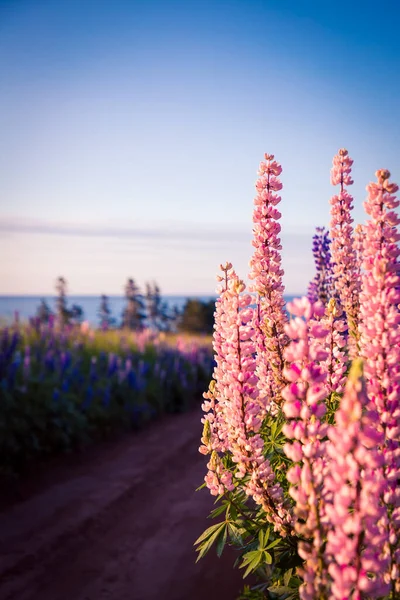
[192,295]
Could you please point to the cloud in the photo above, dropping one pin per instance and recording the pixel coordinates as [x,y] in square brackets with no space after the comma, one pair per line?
[179,256]
[171,231]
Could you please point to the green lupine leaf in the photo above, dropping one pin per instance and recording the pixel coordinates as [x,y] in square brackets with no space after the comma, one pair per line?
[249,557]
[252,562]
[273,544]
[217,511]
[208,532]
[235,534]
[222,541]
[206,545]
[268,557]
[261,538]
[266,536]
[287,576]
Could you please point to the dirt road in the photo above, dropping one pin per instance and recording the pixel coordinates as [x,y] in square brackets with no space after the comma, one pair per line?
[118,524]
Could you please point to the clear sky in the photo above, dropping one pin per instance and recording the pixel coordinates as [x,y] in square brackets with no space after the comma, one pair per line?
[131,132]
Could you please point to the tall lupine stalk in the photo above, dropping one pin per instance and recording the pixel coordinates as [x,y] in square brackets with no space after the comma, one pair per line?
[352,489]
[380,340]
[343,253]
[266,273]
[234,415]
[305,408]
[321,287]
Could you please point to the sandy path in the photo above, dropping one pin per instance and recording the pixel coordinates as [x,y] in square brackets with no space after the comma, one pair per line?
[119,525]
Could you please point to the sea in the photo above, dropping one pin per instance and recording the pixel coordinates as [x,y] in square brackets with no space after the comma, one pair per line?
[26,306]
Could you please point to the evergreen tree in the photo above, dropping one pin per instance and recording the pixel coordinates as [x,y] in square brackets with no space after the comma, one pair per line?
[76,314]
[62,312]
[197,316]
[106,320]
[157,311]
[43,312]
[134,315]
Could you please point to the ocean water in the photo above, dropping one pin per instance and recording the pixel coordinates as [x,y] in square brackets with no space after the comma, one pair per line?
[26,306]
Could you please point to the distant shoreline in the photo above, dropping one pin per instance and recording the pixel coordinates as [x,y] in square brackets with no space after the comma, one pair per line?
[26,306]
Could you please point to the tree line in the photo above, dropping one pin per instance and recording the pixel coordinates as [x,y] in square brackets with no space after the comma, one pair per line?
[141,310]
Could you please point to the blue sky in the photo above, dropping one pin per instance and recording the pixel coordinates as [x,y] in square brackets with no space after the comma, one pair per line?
[131,133]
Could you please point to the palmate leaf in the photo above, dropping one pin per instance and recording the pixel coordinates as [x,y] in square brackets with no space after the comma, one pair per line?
[253,559]
[209,537]
[208,532]
[236,534]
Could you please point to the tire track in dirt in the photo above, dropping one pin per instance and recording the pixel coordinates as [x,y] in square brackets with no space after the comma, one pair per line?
[120,526]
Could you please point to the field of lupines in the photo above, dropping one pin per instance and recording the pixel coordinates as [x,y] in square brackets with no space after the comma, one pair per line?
[302,416]
[61,388]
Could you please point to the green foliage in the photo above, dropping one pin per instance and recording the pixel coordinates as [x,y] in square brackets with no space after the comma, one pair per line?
[197,317]
[62,390]
[263,553]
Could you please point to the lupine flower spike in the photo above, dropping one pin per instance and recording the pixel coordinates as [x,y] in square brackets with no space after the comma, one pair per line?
[266,273]
[321,287]
[343,252]
[235,420]
[380,339]
[305,408]
[352,490]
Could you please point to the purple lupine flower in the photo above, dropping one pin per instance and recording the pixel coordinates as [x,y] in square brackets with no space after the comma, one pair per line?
[49,361]
[321,287]
[112,364]
[65,360]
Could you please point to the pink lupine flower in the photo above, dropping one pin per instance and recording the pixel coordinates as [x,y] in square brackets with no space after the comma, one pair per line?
[266,273]
[345,269]
[380,340]
[218,478]
[234,413]
[336,362]
[85,327]
[352,489]
[305,408]
[359,236]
